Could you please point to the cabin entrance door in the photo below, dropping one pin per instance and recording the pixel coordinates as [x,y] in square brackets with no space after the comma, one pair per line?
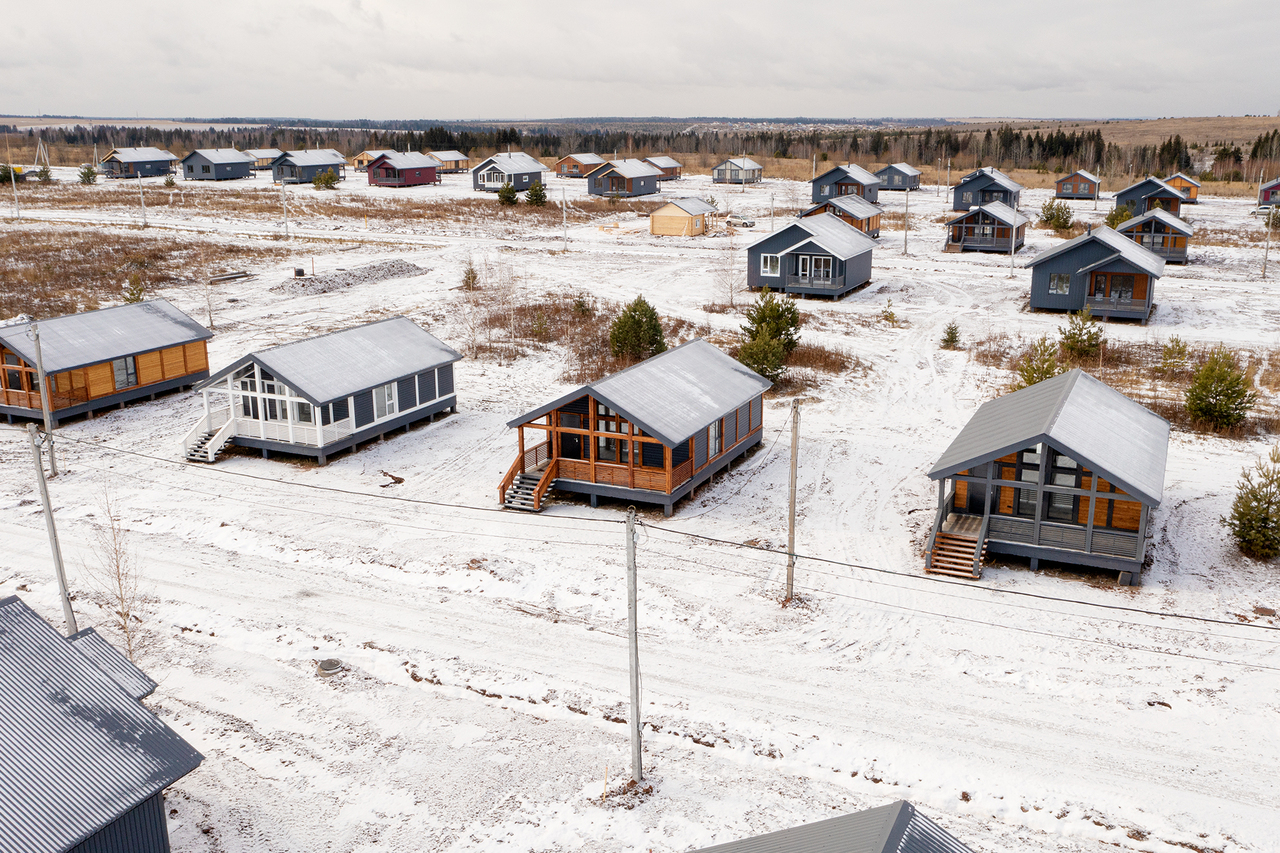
[802,267]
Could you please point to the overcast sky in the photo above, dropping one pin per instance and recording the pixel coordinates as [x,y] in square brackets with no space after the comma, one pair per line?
[385,59]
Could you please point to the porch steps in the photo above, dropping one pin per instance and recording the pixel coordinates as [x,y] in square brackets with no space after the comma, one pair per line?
[955,555]
[520,494]
[953,247]
[199,451]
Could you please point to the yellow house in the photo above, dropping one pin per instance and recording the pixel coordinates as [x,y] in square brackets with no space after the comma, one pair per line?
[682,217]
[1188,185]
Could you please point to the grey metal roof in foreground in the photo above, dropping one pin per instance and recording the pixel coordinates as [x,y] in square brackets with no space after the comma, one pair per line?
[831,233]
[691,206]
[335,366]
[998,211]
[220,155]
[515,163]
[671,395]
[92,337]
[138,155]
[87,752]
[108,658]
[1122,246]
[1161,215]
[1092,423]
[854,205]
[896,828]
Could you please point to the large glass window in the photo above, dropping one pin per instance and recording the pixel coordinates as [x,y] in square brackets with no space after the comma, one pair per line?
[125,372]
[384,400]
[713,441]
[1060,283]
[769,264]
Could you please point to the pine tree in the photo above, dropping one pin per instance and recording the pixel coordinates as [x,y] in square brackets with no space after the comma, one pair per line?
[951,336]
[507,195]
[536,195]
[775,318]
[1219,394]
[88,174]
[765,355]
[1122,214]
[636,333]
[1255,513]
[1039,364]
[1083,335]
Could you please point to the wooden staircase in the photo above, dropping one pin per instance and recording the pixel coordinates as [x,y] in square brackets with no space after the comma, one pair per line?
[957,555]
[199,451]
[521,493]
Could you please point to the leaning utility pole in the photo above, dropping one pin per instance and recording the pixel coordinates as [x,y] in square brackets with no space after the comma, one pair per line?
[53,533]
[142,200]
[906,219]
[791,515]
[637,773]
[1272,216]
[284,204]
[44,399]
[13,178]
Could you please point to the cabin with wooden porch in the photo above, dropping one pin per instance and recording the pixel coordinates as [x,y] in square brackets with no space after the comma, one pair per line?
[394,169]
[853,209]
[1159,232]
[992,227]
[578,165]
[98,359]
[137,163]
[984,186]
[624,179]
[737,170]
[681,217]
[1112,274]
[846,180]
[899,176]
[1150,193]
[302,167]
[651,433]
[1269,192]
[668,166]
[262,158]
[1065,471]
[1079,184]
[818,255]
[454,161]
[320,395]
[1189,186]
[361,161]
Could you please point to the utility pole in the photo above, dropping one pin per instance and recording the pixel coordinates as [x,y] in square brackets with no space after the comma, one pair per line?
[938,174]
[564,217]
[284,203]
[1272,215]
[791,515]
[13,178]
[948,174]
[142,200]
[44,397]
[53,533]
[770,213]
[1013,238]
[906,220]
[637,772]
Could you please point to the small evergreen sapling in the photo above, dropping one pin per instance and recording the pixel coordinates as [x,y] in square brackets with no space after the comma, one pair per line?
[1083,335]
[326,180]
[1040,363]
[507,195]
[951,336]
[765,355]
[1122,214]
[1219,393]
[536,195]
[770,317]
[1056,215]
[636,333]
[1254,522]
[88,174]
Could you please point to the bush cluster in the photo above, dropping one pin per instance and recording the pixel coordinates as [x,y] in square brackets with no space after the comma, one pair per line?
[1056,215]
[1083,335]
[1219,395]
[636,333]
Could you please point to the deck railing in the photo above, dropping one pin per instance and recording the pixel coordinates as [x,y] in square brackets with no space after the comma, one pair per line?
[1116,303]
[527,461]
[835,282]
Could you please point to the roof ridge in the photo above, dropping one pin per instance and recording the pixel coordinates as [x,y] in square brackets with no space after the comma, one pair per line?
[1073,376]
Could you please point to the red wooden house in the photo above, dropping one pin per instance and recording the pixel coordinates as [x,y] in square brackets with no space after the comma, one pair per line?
[393,169]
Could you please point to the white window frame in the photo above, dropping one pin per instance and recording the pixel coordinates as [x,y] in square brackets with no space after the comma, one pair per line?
[826,190]
[1057,281]
[384,401]
[713,440]
[966,198]
[770,265]
[821,267]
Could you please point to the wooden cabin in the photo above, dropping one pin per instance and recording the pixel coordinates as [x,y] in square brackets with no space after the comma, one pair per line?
[819,255]
[668,166]
[1269,193]
[899,176]
[1150,193]
[624,179]
[263,157]
[86,763]
[454,161]
[845,180]
[302,167]
[1159,232]
[1189,186]
[1066,471]
[738,170]
[318,396]
[651,433]
[853,209]
[394,169]
[99,359]
[361,161]
[991,227]
[898,827]
[518,169]
[1107,271]
[984,186]
[578,165]
[1079,184]
[216,164]
[137,162]
[681,217]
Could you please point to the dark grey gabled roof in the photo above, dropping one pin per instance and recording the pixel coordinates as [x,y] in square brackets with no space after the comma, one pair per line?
[88,751]
[829,232]
[92,337]
[1092,423]
[664,162]
[1139,257]
[108,658]
[905,168]
[991,175]
[221,156]
[671,395]
[319,157]
[691,206]
[1157,186]
[515,163]
[138,155]
[896,828]
[335,366]
[855,173]
[1082,173]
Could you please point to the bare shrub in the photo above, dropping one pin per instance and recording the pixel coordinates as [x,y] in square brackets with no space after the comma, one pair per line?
[826,359]
[113,572]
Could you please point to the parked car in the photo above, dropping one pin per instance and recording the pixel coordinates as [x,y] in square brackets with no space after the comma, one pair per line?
[739,222]
[1262,210]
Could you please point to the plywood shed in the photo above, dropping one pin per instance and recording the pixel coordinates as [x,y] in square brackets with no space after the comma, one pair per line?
[681,217]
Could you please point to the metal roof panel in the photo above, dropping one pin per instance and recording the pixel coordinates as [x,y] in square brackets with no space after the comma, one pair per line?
[108,658]
[894,828]
[1139,256]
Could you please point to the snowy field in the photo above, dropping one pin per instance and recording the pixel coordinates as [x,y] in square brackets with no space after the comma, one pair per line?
[487,666]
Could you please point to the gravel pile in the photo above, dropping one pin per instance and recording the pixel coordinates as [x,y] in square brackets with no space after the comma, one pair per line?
[368,274]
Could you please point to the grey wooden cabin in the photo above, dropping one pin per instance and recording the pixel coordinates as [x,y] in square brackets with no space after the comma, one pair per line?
[321,395]
[649,434]
[1067,471]
[137,162]
[813,256]
[1150,193]
[668,166]
[86,763]
[738,170]
[216,164]
[624,179]
[898,827]
[454,161]
[262,158]
[899,176]
[302,167]
[991,227]
[1159,232]
[1105,270]
[983,187]
[518,169]
[1079,184]
[859,213]
[578,165]
[849,179]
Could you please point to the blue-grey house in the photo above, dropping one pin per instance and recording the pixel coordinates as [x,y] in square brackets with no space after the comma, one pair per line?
[814,256]
[517,168]
[859,213]
[624,179]
[1160,232]
[1109,272]
[983,187]
[899,176]
[302,167]
[1079,184]
[85,763]
[1150,193]
[137,162]
[737,170]
[318,396]
[849,179]
[262,158]
[991,227]
[217,164]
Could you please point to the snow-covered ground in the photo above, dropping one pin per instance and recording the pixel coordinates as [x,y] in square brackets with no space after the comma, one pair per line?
[487,668]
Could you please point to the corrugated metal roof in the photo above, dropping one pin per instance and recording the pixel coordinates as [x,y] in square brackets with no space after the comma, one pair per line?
[896,828]
[87,752]
[586,159]
[671,395]
[334,366]
[831,233]
[664,162]
[410,160]
[904,168]
[1082,173]
[997,177]
[630,169]
[109,659]
[1186,178]
[264,153]
[1158,186]
[220,155]
[373,153]
[449,156]
[1092,423]
[1145,260]
[138,155]
[321,157]
[515,163]
[859,174]
[78,340]
[999,211]
[742,163]
[1160,214]
[854,205]
[691,206]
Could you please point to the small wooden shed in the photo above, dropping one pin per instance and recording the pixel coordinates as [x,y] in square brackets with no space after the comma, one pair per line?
[454,161]
[991,227]
[738,170]
[899,176]
[1079,184]
[1159,232]
[263,157]
[216,164]
[1107,271]
[624,179]
[984,186]
[137,162]
[517,168]
[669,166]
[1067,470]
[681,217]
[849,179]
[820,255]
[1150,193]
[650,433]
[101,358]
[855,210]
[578,165]
[1189,186]
[1269,192]
[394,169]
[302,167]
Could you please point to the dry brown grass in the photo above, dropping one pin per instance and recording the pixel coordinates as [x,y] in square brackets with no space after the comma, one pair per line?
[811,356]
